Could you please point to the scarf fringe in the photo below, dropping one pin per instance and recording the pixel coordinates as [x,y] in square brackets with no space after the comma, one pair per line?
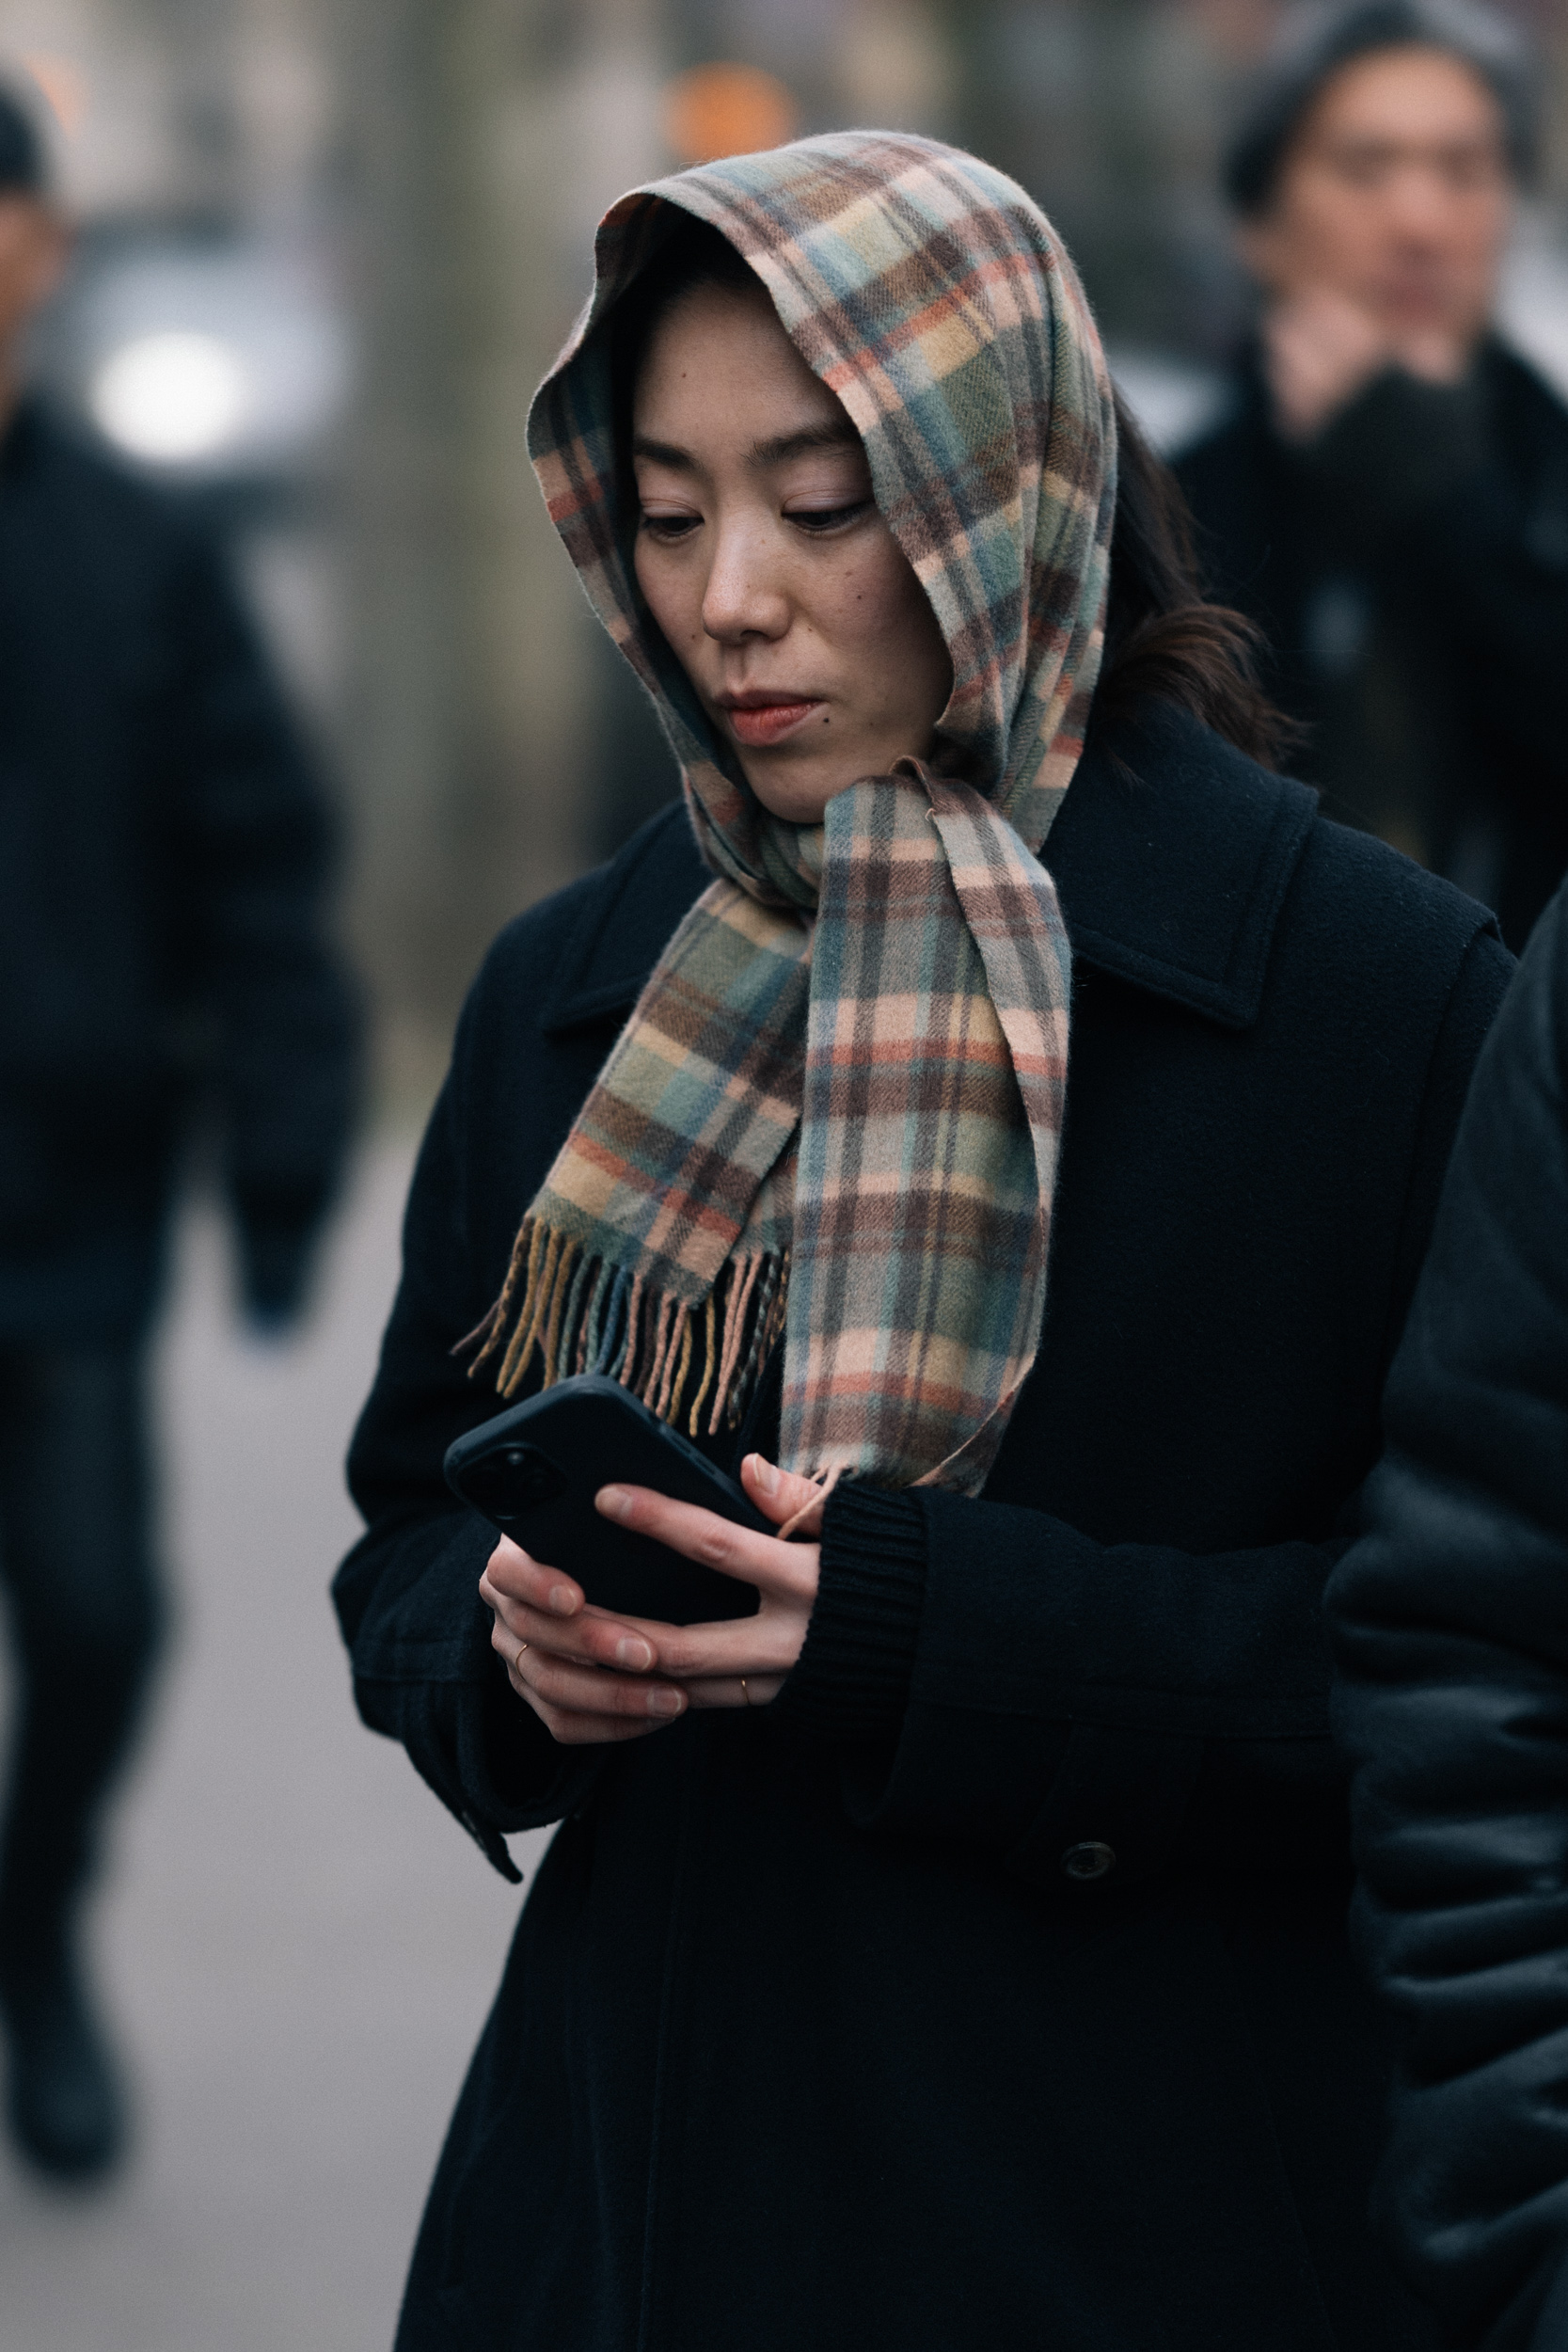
[578,1313]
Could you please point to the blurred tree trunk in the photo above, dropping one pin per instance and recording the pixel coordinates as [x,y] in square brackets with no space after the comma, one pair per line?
[467,726]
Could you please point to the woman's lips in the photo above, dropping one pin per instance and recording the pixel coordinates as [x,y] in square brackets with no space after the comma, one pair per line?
[758,724]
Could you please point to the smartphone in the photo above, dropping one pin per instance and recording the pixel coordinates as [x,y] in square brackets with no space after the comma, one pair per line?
[533,1472]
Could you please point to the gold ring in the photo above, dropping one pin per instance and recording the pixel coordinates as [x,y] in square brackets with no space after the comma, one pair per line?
[744,1693]
[518,1662]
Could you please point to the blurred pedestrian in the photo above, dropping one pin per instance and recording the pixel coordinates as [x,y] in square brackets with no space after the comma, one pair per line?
[1452,1617]
[952,1953]
[164,856]
[1388,497]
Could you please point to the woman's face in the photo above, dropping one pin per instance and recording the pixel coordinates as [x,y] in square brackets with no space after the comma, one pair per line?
[766,564]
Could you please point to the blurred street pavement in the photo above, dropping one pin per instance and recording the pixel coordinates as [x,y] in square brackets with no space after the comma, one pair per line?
[298,1945]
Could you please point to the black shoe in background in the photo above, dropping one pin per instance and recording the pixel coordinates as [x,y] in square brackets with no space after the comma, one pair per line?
[65,2105]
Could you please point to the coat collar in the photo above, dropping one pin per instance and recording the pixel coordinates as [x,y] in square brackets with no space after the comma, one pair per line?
[1171,857]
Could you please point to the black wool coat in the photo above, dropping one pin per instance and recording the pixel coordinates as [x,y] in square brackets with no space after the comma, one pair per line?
[167,852]
[1452,1636]
[1410,574]
[991,1987]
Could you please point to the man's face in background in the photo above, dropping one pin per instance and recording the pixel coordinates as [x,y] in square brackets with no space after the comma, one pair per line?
[1396,196]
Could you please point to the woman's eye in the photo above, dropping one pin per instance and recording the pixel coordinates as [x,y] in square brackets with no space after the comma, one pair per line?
[823,519]
[668,527]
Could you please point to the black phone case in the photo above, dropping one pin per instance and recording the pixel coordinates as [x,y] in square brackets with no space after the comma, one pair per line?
[533,1472]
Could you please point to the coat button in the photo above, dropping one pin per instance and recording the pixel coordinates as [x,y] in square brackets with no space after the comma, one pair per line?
[1090,1860]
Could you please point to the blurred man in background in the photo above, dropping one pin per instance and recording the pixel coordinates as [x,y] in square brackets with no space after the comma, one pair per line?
[163,854]
[1389,498]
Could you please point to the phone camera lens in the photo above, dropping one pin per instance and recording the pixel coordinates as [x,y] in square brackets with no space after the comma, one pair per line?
[535,1477]
[513,1480]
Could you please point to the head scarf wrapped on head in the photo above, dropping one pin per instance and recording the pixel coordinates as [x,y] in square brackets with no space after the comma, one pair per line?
[836,1109]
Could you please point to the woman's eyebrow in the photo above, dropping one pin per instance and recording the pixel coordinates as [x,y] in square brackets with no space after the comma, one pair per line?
[662,452]
[839,435]
[777,451]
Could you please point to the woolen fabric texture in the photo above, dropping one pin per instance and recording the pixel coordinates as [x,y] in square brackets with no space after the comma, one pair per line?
[1452,1641]
[837,1107]
[810,2034]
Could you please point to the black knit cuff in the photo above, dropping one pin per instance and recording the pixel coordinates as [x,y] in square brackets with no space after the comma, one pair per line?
[851,1680]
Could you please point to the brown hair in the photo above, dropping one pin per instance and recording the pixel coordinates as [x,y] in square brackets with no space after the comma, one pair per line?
[1162,636]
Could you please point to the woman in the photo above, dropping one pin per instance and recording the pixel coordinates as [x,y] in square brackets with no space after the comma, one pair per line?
[952,1953]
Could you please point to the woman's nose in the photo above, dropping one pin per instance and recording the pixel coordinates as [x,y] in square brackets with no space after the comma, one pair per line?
[745,595]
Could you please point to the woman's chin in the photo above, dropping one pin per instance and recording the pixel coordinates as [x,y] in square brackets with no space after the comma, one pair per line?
[797,793]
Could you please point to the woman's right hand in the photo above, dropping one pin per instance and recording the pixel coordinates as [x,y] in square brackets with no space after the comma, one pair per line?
[584,1672]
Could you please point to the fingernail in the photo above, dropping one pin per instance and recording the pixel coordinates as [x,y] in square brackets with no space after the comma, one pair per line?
[615,1502]
[635,1654]
[766,1476]
[562,1600]
[665,1702]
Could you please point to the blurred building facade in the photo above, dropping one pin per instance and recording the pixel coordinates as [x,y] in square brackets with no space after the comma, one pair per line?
[340,239]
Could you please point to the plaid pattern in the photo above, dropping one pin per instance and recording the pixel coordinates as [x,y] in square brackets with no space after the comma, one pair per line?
[850,1126]
[658,1244]
[936,1071]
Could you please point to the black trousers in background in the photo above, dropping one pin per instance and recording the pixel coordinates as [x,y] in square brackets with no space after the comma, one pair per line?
[86,1612]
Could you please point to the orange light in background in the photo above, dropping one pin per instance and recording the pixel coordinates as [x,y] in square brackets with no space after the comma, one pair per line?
[726,110]
[1240,30]
[63,83]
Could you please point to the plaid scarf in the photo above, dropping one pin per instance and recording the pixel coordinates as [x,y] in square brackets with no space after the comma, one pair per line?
[836,1108]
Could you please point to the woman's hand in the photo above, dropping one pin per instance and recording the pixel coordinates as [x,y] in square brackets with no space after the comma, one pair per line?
[592,1677]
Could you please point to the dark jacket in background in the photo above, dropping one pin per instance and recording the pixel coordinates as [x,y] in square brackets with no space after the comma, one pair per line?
[1410,571]
[811,2034]
[165,851]
[1451,1620]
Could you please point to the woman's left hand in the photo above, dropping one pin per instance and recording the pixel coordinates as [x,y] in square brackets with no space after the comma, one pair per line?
[709,1661]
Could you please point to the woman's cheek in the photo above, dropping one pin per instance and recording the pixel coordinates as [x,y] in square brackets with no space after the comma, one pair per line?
[672,588]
